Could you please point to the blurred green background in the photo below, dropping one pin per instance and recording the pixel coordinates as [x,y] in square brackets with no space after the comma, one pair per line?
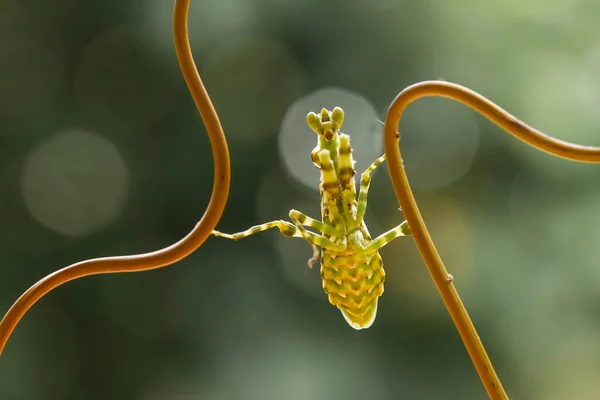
[103,153]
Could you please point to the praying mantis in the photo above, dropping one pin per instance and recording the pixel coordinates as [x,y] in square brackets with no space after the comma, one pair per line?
[351,266]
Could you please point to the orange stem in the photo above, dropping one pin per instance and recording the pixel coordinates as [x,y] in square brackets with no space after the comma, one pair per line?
[209,220]
[442,279]
[177,251]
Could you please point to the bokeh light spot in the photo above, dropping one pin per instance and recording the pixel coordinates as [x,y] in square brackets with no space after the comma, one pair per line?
[381,5]
[33,71]
[41,360]
[439,141]
[566,108]
[275,198]
[177,386]
[253,81]
[75,183]
[296,139]
[551,221]
[122,82]
[287,362]
[209,21]
[407,274]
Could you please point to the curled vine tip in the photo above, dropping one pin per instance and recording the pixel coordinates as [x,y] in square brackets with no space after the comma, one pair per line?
[442,279]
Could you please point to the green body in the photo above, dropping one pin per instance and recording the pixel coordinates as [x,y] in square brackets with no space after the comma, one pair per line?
[353,283]
[351,267]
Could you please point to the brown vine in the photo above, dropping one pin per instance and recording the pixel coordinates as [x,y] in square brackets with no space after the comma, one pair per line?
[209,220]
[170,254]
[442,279]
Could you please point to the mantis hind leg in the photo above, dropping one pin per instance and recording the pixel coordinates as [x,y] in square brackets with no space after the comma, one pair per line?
[383,239]
[285,228]
[301,220]
[296,230]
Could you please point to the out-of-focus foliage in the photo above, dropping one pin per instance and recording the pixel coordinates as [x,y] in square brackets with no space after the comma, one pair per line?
[102,153]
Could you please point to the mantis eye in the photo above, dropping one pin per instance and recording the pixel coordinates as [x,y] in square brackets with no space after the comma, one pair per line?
[337,117]
[326,123]
[314,122]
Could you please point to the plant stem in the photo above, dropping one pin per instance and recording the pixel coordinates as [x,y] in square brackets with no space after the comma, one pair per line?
[170,254]
[442,279]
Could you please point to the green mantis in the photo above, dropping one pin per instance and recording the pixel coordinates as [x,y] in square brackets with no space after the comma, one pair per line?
[351,267]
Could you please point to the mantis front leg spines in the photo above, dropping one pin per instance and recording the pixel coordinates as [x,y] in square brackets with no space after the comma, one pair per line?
[351,267]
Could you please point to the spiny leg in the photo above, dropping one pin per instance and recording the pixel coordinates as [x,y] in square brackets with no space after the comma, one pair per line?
[286,229]
[365,182]
[291,230]
[305,220]
[383,239]
[300,219]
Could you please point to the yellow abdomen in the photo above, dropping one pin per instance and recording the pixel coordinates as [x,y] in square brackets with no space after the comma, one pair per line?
[354,284]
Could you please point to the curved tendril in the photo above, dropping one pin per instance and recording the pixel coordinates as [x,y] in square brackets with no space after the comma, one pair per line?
[422,238]
[177,251]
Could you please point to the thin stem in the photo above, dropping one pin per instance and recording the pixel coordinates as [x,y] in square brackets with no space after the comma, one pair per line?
[423,240]
[177,251]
